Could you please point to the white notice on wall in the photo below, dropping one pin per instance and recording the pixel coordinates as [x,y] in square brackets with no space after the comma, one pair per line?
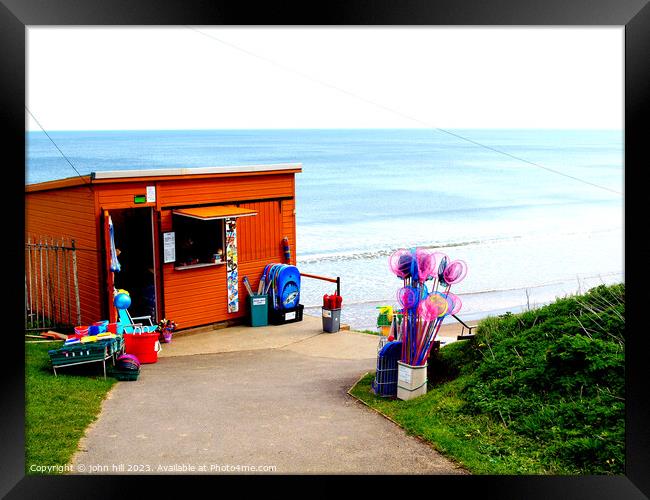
[169,247]
[151,194]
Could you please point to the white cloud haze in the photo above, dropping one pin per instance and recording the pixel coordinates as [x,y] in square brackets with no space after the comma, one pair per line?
[99,78]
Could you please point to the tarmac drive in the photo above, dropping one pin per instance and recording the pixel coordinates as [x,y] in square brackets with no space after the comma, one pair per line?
[285,406]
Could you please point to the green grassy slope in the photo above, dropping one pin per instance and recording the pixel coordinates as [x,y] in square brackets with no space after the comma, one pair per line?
[537,392]
[58,409]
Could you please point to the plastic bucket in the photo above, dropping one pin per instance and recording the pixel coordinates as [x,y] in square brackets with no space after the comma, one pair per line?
[144,346]
[112,328]
[102,325]
[331,320]
[81,330]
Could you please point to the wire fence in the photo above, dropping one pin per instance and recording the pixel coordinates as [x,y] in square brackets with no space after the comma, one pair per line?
[51,284]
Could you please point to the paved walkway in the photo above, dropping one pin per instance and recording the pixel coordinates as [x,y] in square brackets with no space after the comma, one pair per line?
[283,404]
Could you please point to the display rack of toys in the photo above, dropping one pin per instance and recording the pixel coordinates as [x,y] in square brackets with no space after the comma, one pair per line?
[89,344]
[422,310]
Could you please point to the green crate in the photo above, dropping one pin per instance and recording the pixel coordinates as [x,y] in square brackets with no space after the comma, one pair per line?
[79,353]
[125,375]
[92,352]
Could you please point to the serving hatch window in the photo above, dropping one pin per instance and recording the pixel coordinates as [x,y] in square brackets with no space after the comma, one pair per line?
[198,241]
[200,234]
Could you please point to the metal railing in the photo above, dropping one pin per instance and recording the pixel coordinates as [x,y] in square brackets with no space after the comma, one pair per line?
[51,284]
[470,329]
[336,280]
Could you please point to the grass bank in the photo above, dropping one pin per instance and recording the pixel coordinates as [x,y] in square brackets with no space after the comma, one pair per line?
[541,392]
[58,409]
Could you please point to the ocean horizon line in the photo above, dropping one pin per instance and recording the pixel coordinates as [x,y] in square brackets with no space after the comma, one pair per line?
[254,129]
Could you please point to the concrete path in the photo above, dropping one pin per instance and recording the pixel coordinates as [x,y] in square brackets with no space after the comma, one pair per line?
[282,408]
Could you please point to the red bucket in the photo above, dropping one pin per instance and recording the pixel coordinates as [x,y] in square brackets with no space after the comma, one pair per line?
[81,330]
[143,345]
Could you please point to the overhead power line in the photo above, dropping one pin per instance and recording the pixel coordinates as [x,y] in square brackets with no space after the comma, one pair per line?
[400,113]
[58,148]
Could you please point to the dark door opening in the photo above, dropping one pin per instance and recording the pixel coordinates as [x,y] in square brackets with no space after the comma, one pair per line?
[134,243]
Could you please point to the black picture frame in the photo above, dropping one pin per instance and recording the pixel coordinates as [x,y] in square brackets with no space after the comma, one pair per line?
[633,14]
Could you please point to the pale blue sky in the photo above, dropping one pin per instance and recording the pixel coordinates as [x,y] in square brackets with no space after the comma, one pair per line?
[180,78]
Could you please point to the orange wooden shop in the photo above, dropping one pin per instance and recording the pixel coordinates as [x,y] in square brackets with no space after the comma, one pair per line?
[170,229]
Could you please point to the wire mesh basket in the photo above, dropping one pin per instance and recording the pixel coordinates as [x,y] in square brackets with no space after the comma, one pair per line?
[385,383]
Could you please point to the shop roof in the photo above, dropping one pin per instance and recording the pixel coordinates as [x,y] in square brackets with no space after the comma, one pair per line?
[111,176]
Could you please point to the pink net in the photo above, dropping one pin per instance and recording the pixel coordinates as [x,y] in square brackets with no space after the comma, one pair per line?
[455,272]
[399,263]
[455,301]
[428,310]
[407,297]
[426,264]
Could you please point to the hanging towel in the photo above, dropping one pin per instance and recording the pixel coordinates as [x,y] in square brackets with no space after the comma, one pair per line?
[115,264]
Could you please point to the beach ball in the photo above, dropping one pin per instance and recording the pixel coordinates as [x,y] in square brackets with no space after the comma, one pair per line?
[122,300]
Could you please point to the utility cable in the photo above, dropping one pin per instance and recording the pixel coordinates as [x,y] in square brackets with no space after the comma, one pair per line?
[58,148]
[399,113]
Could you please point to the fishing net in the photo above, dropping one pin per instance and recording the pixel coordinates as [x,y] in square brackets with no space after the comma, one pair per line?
[428,310]
[444,260]
[455,272]
[426,264]
[455,302]
[400,263]
[408,297]
[440,302]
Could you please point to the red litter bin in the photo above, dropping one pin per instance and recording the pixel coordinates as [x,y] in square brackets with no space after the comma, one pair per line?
[144,346]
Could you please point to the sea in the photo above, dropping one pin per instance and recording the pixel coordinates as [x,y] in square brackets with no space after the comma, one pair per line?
[531,228]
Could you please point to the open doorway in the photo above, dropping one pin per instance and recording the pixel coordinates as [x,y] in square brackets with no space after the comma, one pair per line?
[134,243]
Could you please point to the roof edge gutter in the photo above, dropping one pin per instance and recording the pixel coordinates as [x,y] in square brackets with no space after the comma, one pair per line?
[171,172]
